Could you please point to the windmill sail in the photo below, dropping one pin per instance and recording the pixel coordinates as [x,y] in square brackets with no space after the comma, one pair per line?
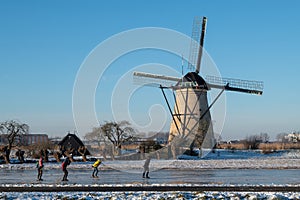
[237,85]
[201,45]
[196,49]
[194,46]
[154,80]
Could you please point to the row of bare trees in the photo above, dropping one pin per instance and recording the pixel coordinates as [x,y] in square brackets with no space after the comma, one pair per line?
[253,141]
[110,136]
[114,133]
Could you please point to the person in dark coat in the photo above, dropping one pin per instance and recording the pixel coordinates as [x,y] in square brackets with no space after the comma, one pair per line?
[64,168]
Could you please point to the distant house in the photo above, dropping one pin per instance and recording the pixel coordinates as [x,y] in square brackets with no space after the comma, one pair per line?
[293,137]
[29,139]
[233,141]
[55,140]
[71,141]
[160,138]
[26,139]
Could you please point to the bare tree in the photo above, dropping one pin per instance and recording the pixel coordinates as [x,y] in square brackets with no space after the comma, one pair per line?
[41,149]
[96,136]
[118,133]
[13,132]
[82,150]
[253,141]
[264,137]
[111,134]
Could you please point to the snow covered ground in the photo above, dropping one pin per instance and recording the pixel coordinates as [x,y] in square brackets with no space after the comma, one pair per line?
[150,195]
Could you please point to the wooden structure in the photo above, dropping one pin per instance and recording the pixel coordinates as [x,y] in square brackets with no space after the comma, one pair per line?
[72,144]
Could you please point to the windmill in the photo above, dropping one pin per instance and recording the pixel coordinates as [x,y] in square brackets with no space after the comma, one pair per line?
[191,118]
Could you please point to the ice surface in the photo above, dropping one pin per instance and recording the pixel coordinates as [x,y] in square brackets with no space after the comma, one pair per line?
[223,159]
[254,163]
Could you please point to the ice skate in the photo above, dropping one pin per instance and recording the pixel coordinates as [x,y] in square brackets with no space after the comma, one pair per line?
[147,175]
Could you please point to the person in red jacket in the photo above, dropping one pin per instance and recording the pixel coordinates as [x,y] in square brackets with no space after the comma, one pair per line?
[40,166]
[64,168]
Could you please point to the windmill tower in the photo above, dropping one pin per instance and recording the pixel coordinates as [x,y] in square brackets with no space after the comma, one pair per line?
[191,118]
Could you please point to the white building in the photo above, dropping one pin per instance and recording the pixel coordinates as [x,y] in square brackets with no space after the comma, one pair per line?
[293,137]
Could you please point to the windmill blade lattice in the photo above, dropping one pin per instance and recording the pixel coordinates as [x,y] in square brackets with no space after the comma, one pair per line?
[194,47]
[238,85]
[154,80]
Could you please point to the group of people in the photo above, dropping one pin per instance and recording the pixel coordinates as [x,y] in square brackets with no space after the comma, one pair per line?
[67,162]
[64,165]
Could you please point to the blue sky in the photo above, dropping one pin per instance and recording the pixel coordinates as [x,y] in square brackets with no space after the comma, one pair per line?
[43,44]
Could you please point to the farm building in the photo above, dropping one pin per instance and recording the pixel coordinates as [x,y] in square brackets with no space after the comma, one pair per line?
[72,143]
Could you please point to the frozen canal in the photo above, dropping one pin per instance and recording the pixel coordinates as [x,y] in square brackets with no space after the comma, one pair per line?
[225,167]
[167,176]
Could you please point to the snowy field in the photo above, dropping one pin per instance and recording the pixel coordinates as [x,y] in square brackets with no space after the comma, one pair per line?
[219,168]
[152,195]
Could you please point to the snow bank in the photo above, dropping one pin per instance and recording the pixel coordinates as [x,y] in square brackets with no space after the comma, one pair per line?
[149,195]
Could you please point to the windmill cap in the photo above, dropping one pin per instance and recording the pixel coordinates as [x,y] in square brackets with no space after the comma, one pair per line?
[195,78]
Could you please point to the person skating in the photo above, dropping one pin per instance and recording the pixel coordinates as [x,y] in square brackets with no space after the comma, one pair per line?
[64,168]
[40,166]
[146,168]
[95,166]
